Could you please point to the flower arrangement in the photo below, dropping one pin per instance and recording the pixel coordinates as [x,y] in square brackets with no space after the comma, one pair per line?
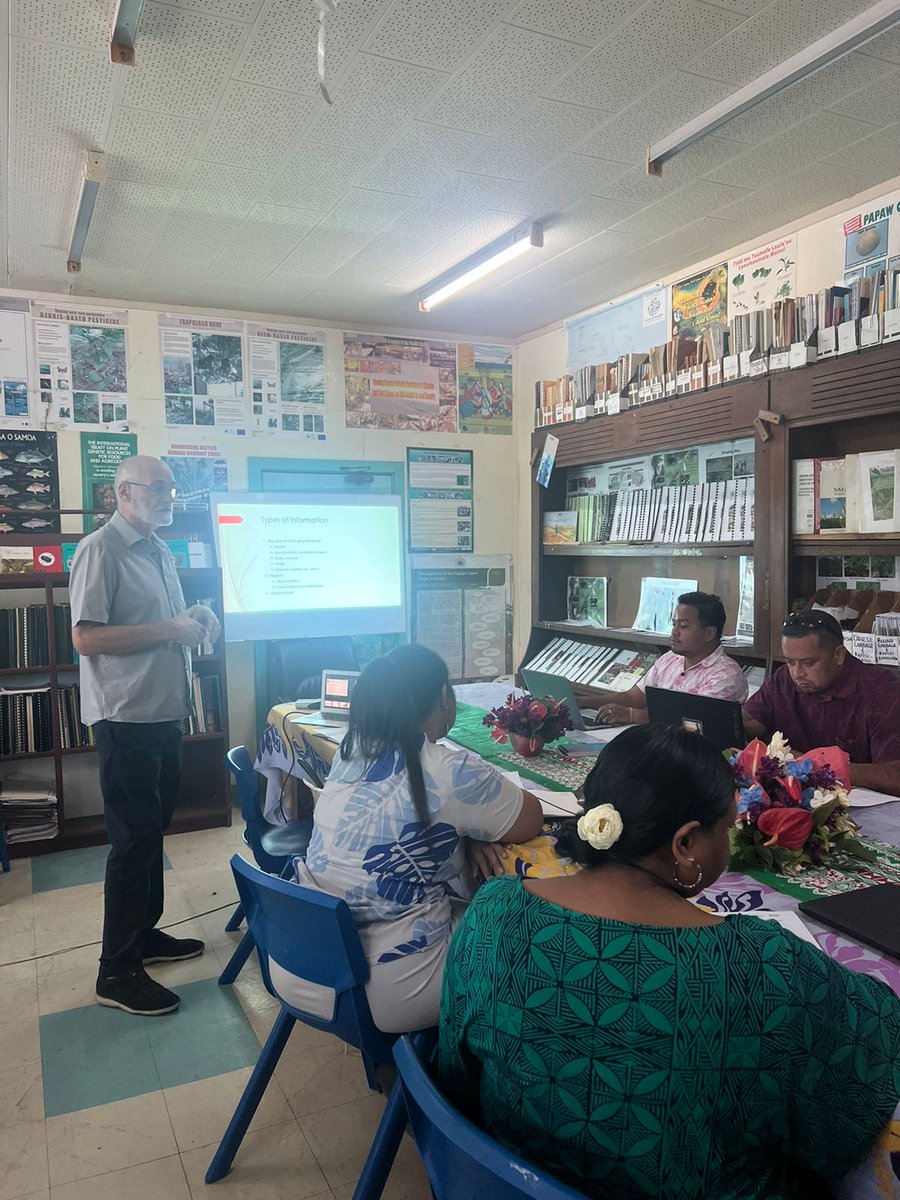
[535,721]
[792,813]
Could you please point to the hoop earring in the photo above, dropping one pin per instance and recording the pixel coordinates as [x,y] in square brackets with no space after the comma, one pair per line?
[688,886]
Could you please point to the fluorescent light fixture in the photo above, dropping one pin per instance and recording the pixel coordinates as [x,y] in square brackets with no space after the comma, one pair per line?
[124,32]
[94,174]
[868,25]
[504,250]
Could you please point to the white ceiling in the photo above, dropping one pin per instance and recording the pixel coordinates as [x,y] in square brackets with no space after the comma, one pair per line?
[231,184]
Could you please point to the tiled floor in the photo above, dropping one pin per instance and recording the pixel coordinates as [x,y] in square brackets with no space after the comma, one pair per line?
[98,1105]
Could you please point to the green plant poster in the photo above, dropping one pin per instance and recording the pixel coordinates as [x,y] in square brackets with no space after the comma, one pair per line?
[101,454]
[82,361]
[203,372]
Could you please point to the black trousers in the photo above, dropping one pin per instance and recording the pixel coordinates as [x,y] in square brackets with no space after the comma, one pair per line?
[140,771]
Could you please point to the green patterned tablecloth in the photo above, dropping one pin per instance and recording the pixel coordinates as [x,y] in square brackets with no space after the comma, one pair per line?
[546,770]
[827,880]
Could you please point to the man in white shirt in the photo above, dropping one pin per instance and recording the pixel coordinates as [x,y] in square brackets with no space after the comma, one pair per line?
[696,663]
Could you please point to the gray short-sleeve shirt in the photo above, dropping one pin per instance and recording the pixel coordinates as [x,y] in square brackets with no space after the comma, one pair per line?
[120,577]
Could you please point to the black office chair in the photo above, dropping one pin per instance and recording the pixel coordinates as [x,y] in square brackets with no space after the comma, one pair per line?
[295,665]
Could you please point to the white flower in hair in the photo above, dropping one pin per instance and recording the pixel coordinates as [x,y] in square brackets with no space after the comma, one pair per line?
[600,827]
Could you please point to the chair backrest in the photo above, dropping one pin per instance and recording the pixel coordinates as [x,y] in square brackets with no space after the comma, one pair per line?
[313,936]
[461,1160]
[295,665]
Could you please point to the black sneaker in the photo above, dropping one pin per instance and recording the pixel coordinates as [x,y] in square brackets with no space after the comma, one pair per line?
[136,993]
[160,947]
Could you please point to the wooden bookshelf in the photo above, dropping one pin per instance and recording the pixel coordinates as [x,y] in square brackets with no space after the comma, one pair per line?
[834,407]
[205,796]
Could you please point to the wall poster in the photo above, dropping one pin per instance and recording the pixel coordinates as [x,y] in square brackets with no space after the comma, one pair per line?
[82,361]
[462,609]
[700,301]
[287,377]
[198,469]
[101,454]
[203,372]
[14,353]
[762,276]
[484,379]
[441,500]
[400,383]
[29,481]
[871,237]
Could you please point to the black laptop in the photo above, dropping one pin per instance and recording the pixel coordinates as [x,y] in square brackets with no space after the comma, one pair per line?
[719,721]
[870,915]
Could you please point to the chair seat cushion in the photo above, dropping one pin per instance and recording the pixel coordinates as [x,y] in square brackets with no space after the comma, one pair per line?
[284,841]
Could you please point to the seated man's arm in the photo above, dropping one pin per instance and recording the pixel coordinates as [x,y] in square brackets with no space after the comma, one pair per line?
[882,774]
[755,729]
[622,708]
[880,777]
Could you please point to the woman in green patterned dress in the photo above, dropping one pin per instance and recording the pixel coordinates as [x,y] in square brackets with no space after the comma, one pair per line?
[636,1045]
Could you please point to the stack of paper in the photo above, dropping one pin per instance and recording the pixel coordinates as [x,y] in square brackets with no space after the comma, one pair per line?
[28,810]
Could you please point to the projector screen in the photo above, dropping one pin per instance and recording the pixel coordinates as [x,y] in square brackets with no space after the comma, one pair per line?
[309,565]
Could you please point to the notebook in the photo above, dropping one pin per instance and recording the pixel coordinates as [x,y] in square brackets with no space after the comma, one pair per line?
[870,915]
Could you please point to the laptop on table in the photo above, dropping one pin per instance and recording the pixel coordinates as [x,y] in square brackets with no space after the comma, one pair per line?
[719,721]
[540,684]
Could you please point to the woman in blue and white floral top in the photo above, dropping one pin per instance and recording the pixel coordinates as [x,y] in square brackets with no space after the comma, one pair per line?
[391,825]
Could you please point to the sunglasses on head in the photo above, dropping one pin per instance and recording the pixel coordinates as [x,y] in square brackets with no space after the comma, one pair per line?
[812,620]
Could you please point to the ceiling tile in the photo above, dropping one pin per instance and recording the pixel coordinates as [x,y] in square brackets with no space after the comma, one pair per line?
[254,126]
[868,154]
[257,246]
[374,98]
[655,40]
[232,10]
[802,191]
[186,245]
[421,159]
[75,22]
[321,252]
[220,191]
[880,101]
[281,52]
[181,62]
[533,198]
[593,176]
[500,76]
[112,284]
[151,148]
[127,218]
[676,210]
[535,139]
[584,21]
[887,46]
[436,33]
[42,205]
[554,269]
[63,89]
[315,175]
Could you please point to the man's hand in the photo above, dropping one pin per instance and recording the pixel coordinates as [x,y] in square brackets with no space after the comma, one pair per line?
[208,619]
[614,714]
[184,630]
[484,859]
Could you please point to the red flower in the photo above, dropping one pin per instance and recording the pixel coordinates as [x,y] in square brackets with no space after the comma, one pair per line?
[786,827]
[748,759]
[792,788]
[537,710]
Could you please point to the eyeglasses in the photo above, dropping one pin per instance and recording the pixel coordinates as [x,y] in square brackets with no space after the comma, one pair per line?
[159,488]
[812,620]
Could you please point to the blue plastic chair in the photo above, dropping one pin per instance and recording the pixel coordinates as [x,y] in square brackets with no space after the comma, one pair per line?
[462,1161]
[313,936]
[274,847]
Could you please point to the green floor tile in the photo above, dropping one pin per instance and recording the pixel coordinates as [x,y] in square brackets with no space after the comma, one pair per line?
[96,1055]
[69,868]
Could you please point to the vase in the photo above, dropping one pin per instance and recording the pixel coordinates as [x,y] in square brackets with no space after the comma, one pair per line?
[527,747]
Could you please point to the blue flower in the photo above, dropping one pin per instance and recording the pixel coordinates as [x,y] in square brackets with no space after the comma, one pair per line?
[807,795]
[799,770]
[748,796]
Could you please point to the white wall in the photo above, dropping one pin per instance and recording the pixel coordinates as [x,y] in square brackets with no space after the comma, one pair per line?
[543,354]
[494,457]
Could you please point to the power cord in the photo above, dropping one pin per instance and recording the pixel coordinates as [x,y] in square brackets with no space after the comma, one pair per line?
[86,945]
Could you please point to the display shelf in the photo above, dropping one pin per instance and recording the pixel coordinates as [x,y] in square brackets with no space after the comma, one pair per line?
[637,549]
[6,671]
[845,543]
[29,754]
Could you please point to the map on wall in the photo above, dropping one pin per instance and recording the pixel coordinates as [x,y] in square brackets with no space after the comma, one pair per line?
[400,383]
[630,326]
[203,371]
[82,360]
[484,378]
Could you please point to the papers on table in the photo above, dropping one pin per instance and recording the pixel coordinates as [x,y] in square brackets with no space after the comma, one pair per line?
[602,734]
[553,804]
[866,798]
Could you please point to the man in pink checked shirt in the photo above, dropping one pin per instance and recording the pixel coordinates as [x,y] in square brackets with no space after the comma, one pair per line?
[696,663]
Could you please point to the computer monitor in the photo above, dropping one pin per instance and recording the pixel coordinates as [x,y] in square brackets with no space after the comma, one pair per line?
[337,688]
[719,721]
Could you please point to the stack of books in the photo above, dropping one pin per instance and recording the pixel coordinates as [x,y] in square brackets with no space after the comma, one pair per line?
[854,493]
[23,637]
[26,725]
[72,731]
[595,666]
[28,810]
[206,693]
[62,629]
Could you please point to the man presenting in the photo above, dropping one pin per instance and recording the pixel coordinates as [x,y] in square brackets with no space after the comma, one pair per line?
[696,663]
[134,637]
[823,696]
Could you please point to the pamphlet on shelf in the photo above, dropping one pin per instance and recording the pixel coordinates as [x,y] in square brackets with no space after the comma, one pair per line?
[870,330]
[879,492]
[891,325]
[714,373]
[801,355]
[827,342]
[682,382]
[846,337]
[613,403]
[780,360]
[671,384]
[744,362]
[759,366]
[731,367]
[804,507]
[582,411]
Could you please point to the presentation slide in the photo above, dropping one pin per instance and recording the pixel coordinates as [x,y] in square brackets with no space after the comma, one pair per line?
[310,565]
